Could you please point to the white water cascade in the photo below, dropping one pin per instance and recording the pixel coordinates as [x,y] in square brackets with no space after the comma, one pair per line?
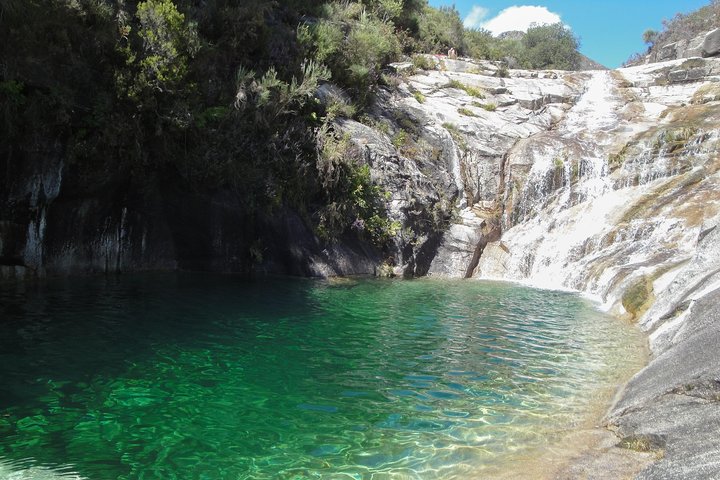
[607,198]
[575,149]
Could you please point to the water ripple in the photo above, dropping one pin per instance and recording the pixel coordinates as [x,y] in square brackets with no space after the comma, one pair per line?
[187,376]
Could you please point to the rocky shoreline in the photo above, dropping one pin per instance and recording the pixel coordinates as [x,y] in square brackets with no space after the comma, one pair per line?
[664,421]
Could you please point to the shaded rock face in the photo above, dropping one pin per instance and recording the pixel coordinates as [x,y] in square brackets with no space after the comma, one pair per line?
[50,225]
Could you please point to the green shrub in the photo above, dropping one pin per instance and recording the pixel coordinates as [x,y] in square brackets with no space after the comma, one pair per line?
[354,202]
[502,72]
[643,443]
[387,9]
[211,115]
[421,62]
[474,92]
[441,29]
[649,36]
[354,43]
[470,90]
[339,108]
[168,42]
[270,98]
[12,90]
[381,126]
[637,296]
[450,127]
[467,112]
[400,139]
[371,43]
[328,38]
[419,96]
[673,139]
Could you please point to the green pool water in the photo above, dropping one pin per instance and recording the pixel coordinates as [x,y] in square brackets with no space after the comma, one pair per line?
[194,376]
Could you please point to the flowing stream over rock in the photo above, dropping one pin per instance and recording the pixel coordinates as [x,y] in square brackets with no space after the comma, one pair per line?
[603,182]
[597,219]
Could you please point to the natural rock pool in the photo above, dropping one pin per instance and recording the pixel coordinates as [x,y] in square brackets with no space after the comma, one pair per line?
[209,377]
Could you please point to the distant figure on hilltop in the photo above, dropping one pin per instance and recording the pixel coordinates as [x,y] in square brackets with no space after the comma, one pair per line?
[452,53]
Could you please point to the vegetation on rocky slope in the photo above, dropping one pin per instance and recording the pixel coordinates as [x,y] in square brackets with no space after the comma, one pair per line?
[220,95]
[680,27]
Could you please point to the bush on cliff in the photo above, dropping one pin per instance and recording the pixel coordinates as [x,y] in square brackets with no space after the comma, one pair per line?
[208,97]
[683,26]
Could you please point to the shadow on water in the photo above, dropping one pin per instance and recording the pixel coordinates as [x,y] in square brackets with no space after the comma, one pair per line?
[70,330]
[58,336]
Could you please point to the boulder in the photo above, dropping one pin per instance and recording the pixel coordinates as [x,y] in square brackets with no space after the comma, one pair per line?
[458,246]
[711,45]
[402,67]
[329,93]
[694,47]
[691,70]
[667,52]
[691,75]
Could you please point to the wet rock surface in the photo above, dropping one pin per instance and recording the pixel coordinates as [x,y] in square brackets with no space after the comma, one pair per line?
[618,191]
[438,144]
[677,398]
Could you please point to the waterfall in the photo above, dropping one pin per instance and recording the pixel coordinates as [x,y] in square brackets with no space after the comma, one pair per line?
[570,163]
[601,204]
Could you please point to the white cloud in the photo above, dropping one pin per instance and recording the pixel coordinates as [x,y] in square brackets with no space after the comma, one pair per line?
[519,17]
[476,16]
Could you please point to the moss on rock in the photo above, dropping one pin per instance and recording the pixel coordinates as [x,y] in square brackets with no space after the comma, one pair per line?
[638,297]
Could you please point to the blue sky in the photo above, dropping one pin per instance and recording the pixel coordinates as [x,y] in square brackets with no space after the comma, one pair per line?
[609,30]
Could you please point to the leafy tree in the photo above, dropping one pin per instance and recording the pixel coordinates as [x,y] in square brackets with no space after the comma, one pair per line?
[369,46]
[355,45]
[168,43]
[550,46]
[482,44]
[441,29]
[649,36]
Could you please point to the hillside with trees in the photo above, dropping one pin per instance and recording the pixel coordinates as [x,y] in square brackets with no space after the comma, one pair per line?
[219,96]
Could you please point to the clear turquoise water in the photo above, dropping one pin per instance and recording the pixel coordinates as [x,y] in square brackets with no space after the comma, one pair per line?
[208,377]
